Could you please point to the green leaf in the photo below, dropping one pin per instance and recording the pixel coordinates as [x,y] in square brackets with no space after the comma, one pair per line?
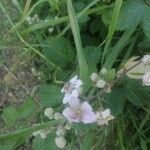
[143,144]
[115,100]
[135,92]
[146,22]
[50,95]
[26,109]
[92,54]
[131,14]
[45,144]
[9,115]
[7,146]
[88,140]
[59,52]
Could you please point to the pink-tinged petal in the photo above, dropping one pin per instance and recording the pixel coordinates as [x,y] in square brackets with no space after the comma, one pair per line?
[86,106]
[73,80]
[88,115]
[75,93]
[70,114]
[74,102]
[78,83]
[66,98]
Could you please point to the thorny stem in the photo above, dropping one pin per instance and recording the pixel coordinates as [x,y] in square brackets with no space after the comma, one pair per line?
[110,85]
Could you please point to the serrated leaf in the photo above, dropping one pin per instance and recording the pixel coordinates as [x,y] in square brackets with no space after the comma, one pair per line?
[115,101]
[59,52]
[146,22]
[135,92]
[92,54]
[44,144]
[131,14]
[50,95]
[26,109]
[9,115]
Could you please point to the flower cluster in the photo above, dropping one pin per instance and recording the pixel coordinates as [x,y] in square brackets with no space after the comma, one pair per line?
[78,111]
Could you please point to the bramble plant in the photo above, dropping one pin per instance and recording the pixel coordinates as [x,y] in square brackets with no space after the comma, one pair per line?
[91,61]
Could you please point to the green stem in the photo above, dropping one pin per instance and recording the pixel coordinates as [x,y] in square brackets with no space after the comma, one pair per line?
[28,131]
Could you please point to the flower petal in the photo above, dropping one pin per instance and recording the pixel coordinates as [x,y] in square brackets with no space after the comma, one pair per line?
[66,98]
[74,79]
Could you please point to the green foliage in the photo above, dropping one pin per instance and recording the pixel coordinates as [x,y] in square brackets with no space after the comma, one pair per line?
[44,144]
[10,116]
[27,109]
[50,95]
[60,53]
[115,101]
[131,14]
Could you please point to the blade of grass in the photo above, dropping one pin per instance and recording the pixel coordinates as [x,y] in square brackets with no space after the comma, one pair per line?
[17,5]
[112,27]
[117,49]
[28,131]
[54,22]
[83,67]
[23,41]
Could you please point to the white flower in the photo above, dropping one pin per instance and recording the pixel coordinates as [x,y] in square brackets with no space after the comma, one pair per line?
[68,126]
[103,117]
[72,89]
[94,77]
[146,59]
[146,79]
[49,113]
[79,112]
[100,83]
[58,116]
[61,131]
[60,141]
[103,71]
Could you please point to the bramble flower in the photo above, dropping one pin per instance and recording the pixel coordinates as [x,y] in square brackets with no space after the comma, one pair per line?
[146,79]
[103,117]
[94,77]
[49,113]
[72,89]
[78,112]
[146,59]
[60,141]
[100,83]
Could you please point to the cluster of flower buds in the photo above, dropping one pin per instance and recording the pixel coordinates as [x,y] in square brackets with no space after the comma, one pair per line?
[33,20]
[60,140]
[146,77]
[49,112]
[98,81]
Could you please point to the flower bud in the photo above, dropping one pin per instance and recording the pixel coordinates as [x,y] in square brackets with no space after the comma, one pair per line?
[68,126]
[60,141]
[94,77]
[58,116]
[49,113]
[146,79]
[103,71]
[100,83]
[60,131]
